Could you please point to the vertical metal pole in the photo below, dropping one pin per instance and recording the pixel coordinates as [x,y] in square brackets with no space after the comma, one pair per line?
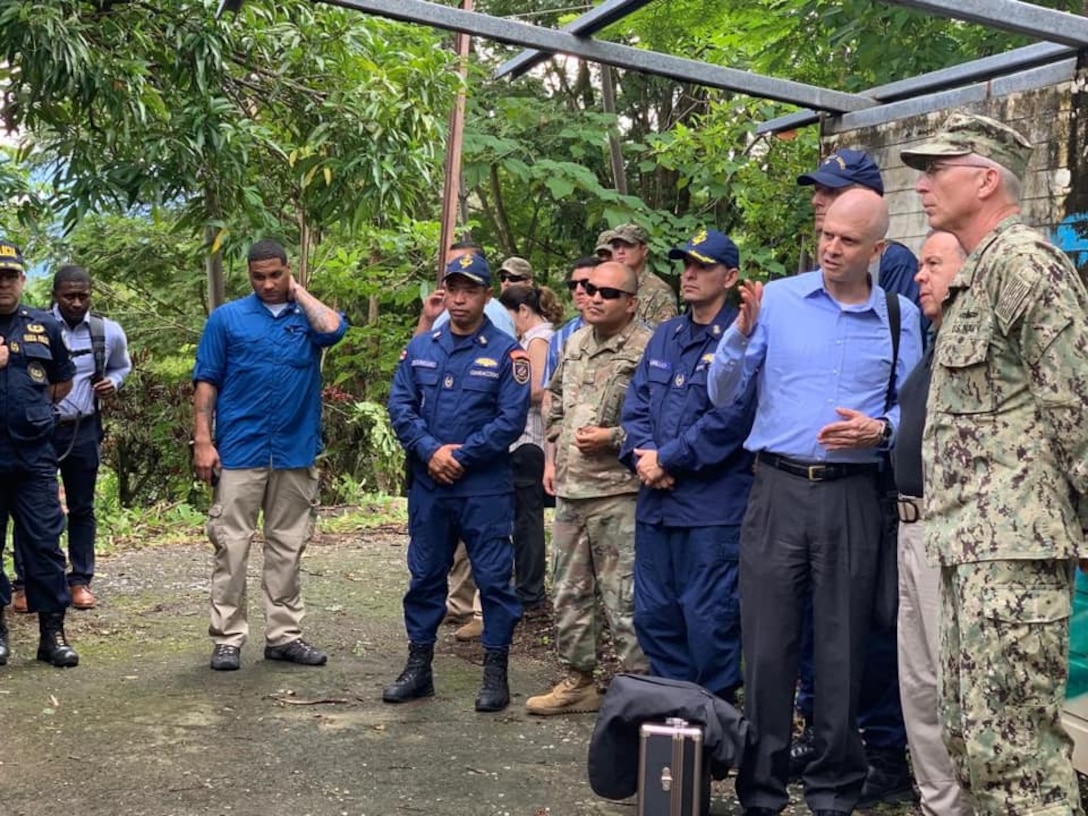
[451,188]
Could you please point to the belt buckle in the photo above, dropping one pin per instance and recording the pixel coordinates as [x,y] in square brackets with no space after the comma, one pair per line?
[813,475]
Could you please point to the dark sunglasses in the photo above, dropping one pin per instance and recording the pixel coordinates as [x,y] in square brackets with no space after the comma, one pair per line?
[606,292]
[509,276]
[574,283]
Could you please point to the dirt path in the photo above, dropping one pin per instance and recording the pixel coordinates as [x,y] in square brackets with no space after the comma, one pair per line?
[144,728]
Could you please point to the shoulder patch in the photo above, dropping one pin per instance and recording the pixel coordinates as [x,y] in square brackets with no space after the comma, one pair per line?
[1012,301]
[520,366]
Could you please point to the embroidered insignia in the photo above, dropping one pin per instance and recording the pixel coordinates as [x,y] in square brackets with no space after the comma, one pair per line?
[448,382]
[707,358]
[665,364]
[14,346]
[417,363]
[1012,301]
[699,238]
[37,328]
[679,380]
[836,159]
[466,261]
[716,330]
[486,362]
[36,372]
[403,353]
[520,367]
[481,340]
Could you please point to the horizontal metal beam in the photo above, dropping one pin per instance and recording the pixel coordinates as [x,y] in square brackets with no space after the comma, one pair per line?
[1010,15]
[1033,79]
[621,56]
[1019,59]
[588,24]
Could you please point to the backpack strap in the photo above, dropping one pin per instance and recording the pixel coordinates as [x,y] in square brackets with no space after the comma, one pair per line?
[895,321]
[98,344]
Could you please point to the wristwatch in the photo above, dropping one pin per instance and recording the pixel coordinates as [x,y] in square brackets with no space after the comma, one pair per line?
[885,432]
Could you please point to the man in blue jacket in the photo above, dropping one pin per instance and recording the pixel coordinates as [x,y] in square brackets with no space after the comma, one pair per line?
[460,398]
[695,476]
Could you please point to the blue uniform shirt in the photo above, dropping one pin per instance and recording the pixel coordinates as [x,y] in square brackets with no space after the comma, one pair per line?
[668,409]
[267,371]
[809,355]
[471,391]
[37,358]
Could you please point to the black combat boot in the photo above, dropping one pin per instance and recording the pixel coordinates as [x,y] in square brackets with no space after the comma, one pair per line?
[495,692]
[54,647]
[5,652]
[416,680]
[889,780]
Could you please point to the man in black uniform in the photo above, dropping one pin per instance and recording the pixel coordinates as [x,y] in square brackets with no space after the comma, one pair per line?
[35,373]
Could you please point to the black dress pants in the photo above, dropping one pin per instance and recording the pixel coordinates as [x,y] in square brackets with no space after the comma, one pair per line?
[528,465]
[800,536]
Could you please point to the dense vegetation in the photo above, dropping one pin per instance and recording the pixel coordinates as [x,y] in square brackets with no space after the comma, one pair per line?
[152,144]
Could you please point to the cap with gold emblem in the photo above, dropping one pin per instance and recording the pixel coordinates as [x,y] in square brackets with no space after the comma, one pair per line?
[472,267]
[709,247]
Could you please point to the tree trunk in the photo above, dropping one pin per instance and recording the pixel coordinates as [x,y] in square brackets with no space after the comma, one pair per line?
[213,267]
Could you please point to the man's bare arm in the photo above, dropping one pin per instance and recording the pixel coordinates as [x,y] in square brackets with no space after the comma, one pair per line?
[321,318]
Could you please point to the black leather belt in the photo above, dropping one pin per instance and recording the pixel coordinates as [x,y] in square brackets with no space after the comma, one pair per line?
[817,471]
[68,421]
[909,509]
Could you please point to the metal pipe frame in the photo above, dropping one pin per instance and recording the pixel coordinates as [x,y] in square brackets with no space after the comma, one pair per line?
[621,56]
[1010,15]
[588,24]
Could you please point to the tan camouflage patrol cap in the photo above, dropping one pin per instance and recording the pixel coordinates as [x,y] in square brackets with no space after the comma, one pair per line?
[517,266]
[630,234]
[965,133]
[604,241]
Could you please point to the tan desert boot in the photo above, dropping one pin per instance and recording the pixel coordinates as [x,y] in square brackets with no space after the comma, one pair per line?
[471,630]
[575,694]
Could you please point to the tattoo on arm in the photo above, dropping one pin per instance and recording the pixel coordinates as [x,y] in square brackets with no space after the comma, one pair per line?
[321,317]
[203,411]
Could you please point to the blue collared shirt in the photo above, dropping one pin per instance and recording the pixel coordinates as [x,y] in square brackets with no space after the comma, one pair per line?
[811,355]
[495,312]
[80,400]
[267,372]
[556,345]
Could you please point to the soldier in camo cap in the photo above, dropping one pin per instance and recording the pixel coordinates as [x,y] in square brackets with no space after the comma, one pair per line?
[1005,456]
[656,299]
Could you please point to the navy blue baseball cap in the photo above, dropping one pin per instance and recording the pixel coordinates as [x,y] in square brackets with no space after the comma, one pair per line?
[709,247]
[11,259]
[470,266]
[843,168]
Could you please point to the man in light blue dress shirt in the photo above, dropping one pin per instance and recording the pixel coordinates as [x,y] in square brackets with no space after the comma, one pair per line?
[819,346]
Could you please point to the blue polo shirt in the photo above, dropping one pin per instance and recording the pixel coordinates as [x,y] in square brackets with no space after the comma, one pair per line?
[267,372]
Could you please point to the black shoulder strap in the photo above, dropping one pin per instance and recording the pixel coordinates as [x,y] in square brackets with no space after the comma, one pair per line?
[98,344]
[894,321]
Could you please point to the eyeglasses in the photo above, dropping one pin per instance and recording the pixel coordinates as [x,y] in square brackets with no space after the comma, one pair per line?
[935,167]
[574,283]
[606,292]
[512,278]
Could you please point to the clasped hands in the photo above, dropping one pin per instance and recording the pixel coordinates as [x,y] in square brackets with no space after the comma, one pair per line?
[443,468]
[650,472]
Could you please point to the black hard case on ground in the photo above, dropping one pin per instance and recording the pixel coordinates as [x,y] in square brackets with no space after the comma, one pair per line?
[672,778]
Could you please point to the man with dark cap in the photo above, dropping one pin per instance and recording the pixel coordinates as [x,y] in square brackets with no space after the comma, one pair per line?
[514,270]
[603,250]
[656,299]
[1008,398]
[880,714]
[460,398]
[689,456]
[35,373]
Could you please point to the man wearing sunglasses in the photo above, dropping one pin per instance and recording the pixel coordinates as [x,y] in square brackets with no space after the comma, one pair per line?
[514,270]
[695,474]
[819,347]
[595,493]
[656,299]
[1005,460]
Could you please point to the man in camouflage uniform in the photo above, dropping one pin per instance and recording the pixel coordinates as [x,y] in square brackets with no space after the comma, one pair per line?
[593,537]
[1005,453]
[656,299]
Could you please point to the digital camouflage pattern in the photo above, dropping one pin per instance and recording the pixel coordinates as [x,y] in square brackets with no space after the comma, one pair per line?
[588,388]
[964,133]
[1005,447]
[594,551]
[1005,455]
[1004,646]
[656,299]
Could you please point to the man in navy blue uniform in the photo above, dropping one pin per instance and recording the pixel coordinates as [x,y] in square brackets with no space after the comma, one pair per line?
[35,373]
[695,476]
[460,398]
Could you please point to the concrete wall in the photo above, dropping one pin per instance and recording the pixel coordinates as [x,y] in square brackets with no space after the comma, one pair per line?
[1055,194]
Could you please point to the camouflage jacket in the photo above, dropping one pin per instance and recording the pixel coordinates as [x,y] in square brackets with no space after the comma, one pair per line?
[656,299]
[1005,447]
[588,389]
